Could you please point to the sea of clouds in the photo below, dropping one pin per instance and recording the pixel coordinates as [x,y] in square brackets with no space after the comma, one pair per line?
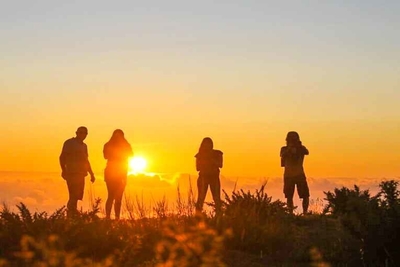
[42,191]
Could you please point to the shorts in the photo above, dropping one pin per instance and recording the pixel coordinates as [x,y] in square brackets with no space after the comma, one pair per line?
[302,186]
[115,174]
[76,185]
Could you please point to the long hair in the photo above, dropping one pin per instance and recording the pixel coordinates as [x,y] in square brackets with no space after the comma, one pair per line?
[293,137]
[117,137]
[206,145]
[117,145]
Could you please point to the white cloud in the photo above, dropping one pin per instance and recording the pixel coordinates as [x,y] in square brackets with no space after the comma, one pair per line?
[48,191]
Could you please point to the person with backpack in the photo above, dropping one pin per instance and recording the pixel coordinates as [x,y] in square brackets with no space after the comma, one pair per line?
[292,158]
[117,152]
[208,164]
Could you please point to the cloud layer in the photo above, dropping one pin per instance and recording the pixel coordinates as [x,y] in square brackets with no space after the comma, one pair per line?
[48,191]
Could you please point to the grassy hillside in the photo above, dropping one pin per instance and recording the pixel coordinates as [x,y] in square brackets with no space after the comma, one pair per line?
[355,229]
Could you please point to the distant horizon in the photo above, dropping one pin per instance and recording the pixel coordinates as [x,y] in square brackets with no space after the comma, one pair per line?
[195,174]
[48,191]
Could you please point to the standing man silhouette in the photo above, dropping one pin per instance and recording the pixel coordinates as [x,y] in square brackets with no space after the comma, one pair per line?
[208,163]
[292,158]
[75,165]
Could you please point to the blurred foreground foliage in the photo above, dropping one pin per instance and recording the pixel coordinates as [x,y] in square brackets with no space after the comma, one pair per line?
[355,229]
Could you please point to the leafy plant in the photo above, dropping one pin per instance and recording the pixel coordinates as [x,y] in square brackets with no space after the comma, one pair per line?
[374,220]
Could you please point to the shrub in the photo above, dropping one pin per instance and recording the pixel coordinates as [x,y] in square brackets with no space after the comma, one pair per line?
[374,220]
[254,218]
[190,245]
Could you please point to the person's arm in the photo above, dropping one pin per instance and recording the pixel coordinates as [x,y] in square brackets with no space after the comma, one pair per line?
[284,151]
[62,160]
[92,178]
[197,162]
[89,167]
[105,152]
[218,158]
[282,155]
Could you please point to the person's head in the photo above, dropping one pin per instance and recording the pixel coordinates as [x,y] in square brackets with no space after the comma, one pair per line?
[206,145]
[118,135]
[292,138]
[81,133]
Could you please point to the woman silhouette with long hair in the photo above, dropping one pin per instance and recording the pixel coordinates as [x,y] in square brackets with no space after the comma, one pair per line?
[208,164]
[117,152]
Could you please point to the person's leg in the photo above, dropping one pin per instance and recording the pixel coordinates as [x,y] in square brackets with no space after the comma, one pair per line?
[306,201]
[215,187]
[289,203]
[119,192]
[304,192]
[75,191]
[110,198]
[288,190]
[80,187]
[202,187]
[72,205]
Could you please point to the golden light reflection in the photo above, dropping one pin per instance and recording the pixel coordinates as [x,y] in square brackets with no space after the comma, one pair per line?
[137,165]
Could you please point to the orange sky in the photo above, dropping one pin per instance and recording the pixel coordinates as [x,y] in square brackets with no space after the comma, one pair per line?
[171,74]
[337,149]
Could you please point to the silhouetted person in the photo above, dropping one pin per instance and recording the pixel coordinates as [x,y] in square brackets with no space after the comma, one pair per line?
[117,152]
[75,165]
[292,157]
[208,163]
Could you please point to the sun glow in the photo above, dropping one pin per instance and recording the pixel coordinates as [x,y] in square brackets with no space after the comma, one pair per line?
[137,165]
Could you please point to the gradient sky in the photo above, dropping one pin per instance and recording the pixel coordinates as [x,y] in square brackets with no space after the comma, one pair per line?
[172,72]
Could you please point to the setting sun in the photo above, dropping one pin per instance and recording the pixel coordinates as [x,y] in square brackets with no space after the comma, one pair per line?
[137,164]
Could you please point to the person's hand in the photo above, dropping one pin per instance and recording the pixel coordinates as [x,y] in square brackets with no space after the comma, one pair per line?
[92,178]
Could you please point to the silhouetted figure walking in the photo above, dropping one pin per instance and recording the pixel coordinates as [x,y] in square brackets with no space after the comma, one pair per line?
[292,158]
[208,164]
[75,165]
[117,152]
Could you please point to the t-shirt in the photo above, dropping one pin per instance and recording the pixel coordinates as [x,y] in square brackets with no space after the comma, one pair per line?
[292,159]
[208,162]
[117,155]
[74,154]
